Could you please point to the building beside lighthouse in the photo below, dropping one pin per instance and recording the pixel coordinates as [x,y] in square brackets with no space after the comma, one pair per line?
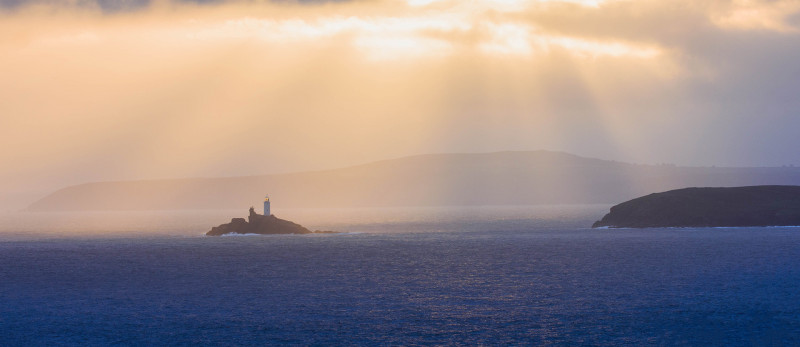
[266,206]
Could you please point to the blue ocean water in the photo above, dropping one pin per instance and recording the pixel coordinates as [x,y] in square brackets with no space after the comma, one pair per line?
[496,276]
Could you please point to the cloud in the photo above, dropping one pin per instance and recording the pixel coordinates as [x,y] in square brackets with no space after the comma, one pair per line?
[175,89]
[765,15]
[121,6]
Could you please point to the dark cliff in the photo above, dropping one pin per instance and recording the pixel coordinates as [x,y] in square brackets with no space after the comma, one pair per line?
[258,224]
[709,207]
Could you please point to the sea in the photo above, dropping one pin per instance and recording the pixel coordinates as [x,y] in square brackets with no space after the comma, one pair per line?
[510,275]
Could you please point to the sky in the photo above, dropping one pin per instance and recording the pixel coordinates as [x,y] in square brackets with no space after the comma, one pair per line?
[98,90]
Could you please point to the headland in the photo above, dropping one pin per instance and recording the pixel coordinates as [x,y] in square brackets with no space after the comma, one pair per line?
[709,207]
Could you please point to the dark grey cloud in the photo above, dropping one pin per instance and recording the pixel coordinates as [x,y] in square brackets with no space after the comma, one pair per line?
[117,6]
[105,5]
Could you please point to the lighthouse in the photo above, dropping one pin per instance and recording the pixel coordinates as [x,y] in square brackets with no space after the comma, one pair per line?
[266,206]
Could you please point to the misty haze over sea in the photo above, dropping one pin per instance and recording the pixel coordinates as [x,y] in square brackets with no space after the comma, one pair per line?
[455,179]
[435,275]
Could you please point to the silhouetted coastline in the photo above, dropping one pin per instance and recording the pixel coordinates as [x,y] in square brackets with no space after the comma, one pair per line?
[709,207]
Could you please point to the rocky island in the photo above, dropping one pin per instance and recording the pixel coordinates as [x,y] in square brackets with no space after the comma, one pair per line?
[261,224]
[709,207]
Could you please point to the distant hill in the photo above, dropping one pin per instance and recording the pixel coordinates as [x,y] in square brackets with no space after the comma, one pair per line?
[502,178]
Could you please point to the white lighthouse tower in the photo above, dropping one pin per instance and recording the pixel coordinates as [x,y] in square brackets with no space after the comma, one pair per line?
[266,206]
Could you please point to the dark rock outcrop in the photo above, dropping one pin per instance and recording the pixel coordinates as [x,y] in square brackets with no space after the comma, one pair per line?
[260,224]
[709,207]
